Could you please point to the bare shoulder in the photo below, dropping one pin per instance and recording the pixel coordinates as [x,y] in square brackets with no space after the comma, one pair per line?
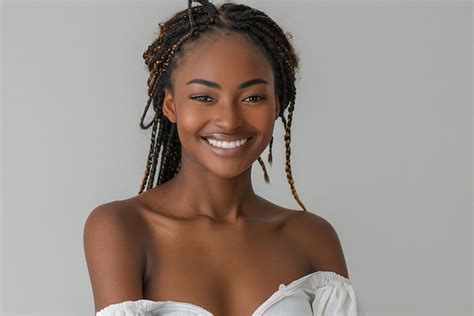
[320,241]
[114,253]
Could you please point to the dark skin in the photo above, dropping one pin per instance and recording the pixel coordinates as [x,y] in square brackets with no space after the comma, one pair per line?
[205,237]
[209,185]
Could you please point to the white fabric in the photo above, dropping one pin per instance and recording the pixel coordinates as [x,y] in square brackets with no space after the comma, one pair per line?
[320,293]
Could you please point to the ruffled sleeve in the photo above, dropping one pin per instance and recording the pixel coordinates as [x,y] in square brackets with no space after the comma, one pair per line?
[335,296]
[146,307]
[129,308]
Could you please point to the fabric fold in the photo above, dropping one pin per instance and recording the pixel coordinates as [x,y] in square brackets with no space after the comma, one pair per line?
[321,293]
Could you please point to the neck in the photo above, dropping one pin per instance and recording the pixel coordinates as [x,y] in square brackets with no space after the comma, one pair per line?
[201,192]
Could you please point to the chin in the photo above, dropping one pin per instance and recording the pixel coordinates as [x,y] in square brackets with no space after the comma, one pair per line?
[228,170]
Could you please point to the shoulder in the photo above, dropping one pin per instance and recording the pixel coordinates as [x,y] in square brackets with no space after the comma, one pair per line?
[320,242]
[119,218]
[114,253]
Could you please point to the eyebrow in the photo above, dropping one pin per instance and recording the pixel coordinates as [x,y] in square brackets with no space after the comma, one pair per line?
[215,85]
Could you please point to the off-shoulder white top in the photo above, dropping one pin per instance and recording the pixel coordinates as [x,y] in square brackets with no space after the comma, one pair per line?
[318,293]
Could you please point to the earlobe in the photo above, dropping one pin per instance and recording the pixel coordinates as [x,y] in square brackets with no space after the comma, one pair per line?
[169,107]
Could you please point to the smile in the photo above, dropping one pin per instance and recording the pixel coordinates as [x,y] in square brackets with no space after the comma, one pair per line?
[225,148]
[224,144]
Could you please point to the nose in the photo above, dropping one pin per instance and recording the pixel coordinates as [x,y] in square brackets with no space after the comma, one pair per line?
[228,116]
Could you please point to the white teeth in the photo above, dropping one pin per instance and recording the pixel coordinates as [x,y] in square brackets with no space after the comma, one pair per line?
[224,144]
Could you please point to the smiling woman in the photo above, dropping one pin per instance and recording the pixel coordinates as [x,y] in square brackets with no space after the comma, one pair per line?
[204,24]
[201,241]
[225,109]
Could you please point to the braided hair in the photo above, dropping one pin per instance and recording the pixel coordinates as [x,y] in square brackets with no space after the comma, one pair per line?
[163,55]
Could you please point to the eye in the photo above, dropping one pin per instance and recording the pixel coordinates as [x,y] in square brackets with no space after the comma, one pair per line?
[259,98]
[201,98]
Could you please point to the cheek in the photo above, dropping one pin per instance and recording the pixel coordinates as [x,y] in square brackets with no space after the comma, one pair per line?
[189,122]
[263,120]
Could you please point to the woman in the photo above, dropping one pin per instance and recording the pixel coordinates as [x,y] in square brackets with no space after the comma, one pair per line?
[202,242]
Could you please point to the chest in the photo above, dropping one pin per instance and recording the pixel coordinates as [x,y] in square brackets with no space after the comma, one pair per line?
[224,272]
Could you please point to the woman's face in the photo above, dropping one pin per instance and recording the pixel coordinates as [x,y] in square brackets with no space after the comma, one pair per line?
[223,90]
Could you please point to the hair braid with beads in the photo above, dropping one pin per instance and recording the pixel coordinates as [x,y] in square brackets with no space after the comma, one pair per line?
[165,52]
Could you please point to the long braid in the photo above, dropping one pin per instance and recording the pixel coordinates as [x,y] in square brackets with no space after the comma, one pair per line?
[265,174]
[162,58]
[270,158]
[288,153]
[150,154]
[158,147]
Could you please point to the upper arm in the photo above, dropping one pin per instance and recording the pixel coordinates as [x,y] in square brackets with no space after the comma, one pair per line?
[115,259]
[323,245]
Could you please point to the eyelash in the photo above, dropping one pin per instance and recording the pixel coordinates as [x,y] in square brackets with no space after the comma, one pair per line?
[206,96]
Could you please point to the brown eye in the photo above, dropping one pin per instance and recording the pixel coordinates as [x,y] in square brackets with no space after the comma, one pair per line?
[201,98]
[258,98]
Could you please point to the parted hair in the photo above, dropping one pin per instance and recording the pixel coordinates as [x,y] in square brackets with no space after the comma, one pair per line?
[163,55]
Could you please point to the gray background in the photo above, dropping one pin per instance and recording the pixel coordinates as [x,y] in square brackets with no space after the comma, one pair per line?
[381,142]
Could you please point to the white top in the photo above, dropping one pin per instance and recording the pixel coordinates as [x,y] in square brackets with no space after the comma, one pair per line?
[315,294]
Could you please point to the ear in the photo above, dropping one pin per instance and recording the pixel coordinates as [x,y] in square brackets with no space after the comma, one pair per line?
[169,108]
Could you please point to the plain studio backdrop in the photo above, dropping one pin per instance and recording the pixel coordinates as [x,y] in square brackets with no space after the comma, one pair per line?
[381,142]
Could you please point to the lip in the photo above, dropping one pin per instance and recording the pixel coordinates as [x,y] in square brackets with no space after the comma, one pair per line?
[227,152]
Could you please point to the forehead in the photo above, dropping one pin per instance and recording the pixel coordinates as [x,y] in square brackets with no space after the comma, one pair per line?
[227,59]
